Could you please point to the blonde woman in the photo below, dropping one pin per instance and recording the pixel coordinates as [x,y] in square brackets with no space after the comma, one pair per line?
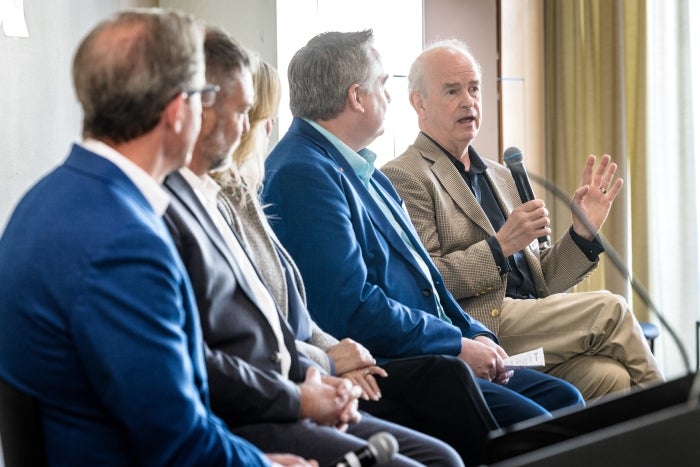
[239,195]
[249,157]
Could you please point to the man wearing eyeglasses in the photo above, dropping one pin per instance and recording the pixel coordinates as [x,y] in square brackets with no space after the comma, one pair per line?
[262,387]
[98,321]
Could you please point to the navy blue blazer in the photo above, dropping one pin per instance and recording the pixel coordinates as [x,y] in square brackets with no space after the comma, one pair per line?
[361,279]
[98,322]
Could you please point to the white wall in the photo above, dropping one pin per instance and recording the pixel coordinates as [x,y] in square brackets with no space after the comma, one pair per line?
[39,115]
[252,22]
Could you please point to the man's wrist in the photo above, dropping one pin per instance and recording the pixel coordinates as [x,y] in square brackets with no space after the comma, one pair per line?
[591,248]
[498,257]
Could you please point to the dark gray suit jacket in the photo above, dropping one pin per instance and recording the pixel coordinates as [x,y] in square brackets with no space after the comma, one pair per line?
[242,357]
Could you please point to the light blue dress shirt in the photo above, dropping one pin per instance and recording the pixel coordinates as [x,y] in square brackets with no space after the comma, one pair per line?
[362,164]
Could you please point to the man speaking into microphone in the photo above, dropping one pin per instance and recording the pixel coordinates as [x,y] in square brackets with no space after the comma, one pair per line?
[484,238]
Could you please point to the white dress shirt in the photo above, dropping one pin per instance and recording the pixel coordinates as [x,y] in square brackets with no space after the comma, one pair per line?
[206,190]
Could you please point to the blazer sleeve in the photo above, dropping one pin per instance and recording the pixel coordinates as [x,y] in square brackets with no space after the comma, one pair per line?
[137,332]
[242,394]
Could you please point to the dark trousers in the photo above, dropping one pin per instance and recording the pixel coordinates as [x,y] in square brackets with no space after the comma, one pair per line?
[327,445]
[527,395]
[439,396]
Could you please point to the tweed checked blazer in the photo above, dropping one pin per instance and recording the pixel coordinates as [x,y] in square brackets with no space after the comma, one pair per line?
[454,228]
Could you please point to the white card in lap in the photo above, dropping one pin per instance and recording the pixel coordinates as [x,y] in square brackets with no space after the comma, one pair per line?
[532,358]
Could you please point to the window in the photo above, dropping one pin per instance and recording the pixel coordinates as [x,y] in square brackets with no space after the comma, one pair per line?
[673,189]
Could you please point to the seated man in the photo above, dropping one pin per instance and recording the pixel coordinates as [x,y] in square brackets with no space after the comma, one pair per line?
[457,414]
[98,320]
[366,274]
[261,386]
[482,238]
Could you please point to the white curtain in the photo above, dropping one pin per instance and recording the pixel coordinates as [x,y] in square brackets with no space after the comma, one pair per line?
[673,193]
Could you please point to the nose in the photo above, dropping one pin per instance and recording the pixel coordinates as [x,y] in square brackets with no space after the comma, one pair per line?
[468,101]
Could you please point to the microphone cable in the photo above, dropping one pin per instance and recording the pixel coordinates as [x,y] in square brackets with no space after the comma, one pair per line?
[619,264]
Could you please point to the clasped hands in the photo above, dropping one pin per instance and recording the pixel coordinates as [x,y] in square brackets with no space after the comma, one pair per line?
[354,362]
[330,400]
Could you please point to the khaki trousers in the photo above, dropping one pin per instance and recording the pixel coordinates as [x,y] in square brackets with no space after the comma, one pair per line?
[590,339]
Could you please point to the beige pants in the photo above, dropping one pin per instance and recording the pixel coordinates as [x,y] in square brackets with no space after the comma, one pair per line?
[590,339]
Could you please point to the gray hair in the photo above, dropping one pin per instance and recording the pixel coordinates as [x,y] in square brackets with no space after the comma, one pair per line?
[321,72]
[129,67]
[416,75]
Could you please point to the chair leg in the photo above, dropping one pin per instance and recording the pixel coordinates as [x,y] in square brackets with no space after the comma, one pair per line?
[651,332]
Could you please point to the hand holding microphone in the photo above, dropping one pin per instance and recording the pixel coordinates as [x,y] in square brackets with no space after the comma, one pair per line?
[592,201]
[529,220]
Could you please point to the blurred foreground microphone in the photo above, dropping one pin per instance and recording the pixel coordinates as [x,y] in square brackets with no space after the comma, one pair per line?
[381,448]
[514,161]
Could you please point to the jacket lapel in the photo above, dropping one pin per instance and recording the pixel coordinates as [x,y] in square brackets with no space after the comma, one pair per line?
[181,190]
[451,180]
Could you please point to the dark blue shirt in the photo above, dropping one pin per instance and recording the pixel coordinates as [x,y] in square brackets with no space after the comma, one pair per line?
[520,283]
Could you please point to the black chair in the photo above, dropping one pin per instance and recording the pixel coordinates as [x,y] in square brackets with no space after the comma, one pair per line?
[20,428]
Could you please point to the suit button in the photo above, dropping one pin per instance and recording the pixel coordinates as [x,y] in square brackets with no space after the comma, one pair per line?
[427,292]
[495,313]
[275,357]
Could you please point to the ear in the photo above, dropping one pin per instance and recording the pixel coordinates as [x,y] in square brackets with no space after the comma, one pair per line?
[417,103]
[355,96]
[174,113]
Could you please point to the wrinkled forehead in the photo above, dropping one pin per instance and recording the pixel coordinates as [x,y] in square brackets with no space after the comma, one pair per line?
[451,64]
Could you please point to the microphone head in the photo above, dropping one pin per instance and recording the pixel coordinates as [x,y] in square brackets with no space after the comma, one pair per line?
[512,156]
[384,446]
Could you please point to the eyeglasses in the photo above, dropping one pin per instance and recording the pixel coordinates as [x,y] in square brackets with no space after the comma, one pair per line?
[207,94]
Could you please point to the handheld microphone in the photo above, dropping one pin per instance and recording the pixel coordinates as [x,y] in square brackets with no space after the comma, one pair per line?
[514,161]
[381,448]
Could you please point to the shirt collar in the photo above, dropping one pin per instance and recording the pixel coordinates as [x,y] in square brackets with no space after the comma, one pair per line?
[361,162]
[476,163]
[151,190]
[204,187]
